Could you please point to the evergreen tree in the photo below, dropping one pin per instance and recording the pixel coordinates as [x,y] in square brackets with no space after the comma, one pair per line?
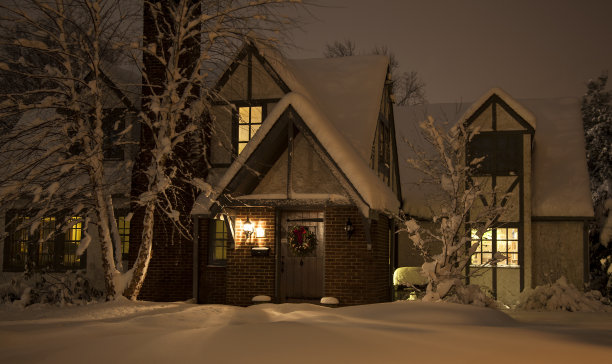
[597,121]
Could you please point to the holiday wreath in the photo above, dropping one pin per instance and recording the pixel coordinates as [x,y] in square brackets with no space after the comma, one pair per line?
[301,240]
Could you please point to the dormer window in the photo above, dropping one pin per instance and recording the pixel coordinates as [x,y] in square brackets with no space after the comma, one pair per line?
[249,121]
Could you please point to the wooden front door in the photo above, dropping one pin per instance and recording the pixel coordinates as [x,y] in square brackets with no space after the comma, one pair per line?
[302,278]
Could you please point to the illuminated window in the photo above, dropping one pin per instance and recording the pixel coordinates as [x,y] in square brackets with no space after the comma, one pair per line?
[220,237]
[73,237]
[46,248]
[499,240]
[16,246]
[46,245]
[249,121]
[123,225]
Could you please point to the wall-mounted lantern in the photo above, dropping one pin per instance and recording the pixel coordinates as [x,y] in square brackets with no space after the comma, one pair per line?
[349,228]
[248,228]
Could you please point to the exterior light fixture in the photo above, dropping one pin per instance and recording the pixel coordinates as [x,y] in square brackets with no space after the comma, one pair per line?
[349,228]
[248,228]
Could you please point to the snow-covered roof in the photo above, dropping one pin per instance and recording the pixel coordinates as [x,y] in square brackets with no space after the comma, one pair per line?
[560,184]
[370,188]
[516,106]
[560,181]
[339,100]
[348,90]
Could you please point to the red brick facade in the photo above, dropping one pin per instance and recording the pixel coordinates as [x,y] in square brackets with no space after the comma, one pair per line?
[353,274]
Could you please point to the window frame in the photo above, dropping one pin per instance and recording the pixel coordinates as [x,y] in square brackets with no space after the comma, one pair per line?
[236,124]
[50,255]
[494,247]
[227,241]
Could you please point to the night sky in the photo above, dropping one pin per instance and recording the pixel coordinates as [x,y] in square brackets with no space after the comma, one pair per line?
[462,48]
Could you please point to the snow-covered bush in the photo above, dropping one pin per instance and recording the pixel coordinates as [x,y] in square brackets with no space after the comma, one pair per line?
[445,166]
[563,296]
[57,289]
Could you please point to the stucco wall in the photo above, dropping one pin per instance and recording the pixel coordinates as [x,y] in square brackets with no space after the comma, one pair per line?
[558,250]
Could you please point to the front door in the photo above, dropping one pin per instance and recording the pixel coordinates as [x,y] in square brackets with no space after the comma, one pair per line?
[302,278]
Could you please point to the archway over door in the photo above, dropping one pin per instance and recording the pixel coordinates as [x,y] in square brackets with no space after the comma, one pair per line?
[302,278]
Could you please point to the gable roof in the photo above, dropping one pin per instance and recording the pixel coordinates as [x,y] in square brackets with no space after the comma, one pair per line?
[338,100]
[560,181]
[372,191]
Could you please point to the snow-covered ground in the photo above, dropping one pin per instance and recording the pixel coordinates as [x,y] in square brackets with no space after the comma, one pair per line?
[147,332]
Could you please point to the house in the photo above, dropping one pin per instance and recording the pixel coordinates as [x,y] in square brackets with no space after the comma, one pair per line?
[299,143]
[535,150]
[59,253]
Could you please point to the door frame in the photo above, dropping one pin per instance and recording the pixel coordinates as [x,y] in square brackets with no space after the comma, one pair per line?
[278,243]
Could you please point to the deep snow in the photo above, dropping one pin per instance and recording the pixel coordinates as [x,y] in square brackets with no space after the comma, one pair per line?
[149,332]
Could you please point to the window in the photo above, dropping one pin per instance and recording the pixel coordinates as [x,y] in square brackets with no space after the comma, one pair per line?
[502,152]
[219,242]
[499,240]
[123,225]
[71,243]
[46,248]
[249,121]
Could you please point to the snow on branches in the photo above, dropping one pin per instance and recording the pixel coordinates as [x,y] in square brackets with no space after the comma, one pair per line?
[443,164]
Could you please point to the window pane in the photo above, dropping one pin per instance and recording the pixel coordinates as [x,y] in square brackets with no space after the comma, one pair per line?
[254,129]
[513,234]
[501,246]
[123,225]
[241,147]
[72,240]
[487,246]
[256,115]
[243,133]
[243,115]
[501,234]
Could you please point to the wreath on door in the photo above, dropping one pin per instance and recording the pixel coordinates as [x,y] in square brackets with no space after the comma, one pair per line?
[301,240]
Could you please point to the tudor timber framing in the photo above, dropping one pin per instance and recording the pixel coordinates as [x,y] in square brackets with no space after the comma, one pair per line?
[245,56]
[495,101]
[269,150]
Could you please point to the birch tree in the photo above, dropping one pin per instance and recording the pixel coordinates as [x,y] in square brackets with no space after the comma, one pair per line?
[57,160]
[444,164]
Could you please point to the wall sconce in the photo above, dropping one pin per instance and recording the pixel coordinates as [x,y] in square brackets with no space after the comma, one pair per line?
[349,228]
[260,232]
[247,228]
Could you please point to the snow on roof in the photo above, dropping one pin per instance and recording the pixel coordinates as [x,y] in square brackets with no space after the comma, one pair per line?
[526,114]
[420,199]
[348,90]
[339,99]
[560,185]
[560,177]
[372,190]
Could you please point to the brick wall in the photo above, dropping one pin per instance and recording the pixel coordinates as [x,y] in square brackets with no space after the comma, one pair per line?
[249,276]
[169,277]
[353,274]
[212,281]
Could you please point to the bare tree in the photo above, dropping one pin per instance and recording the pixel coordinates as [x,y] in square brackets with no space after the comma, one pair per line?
[408,88]
[445,165]
[345,48]
[56,159]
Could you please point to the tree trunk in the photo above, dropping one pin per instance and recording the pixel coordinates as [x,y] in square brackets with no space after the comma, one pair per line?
[144,254]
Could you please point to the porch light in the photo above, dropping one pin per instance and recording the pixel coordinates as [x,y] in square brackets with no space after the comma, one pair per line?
[349,228]
[248,228]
